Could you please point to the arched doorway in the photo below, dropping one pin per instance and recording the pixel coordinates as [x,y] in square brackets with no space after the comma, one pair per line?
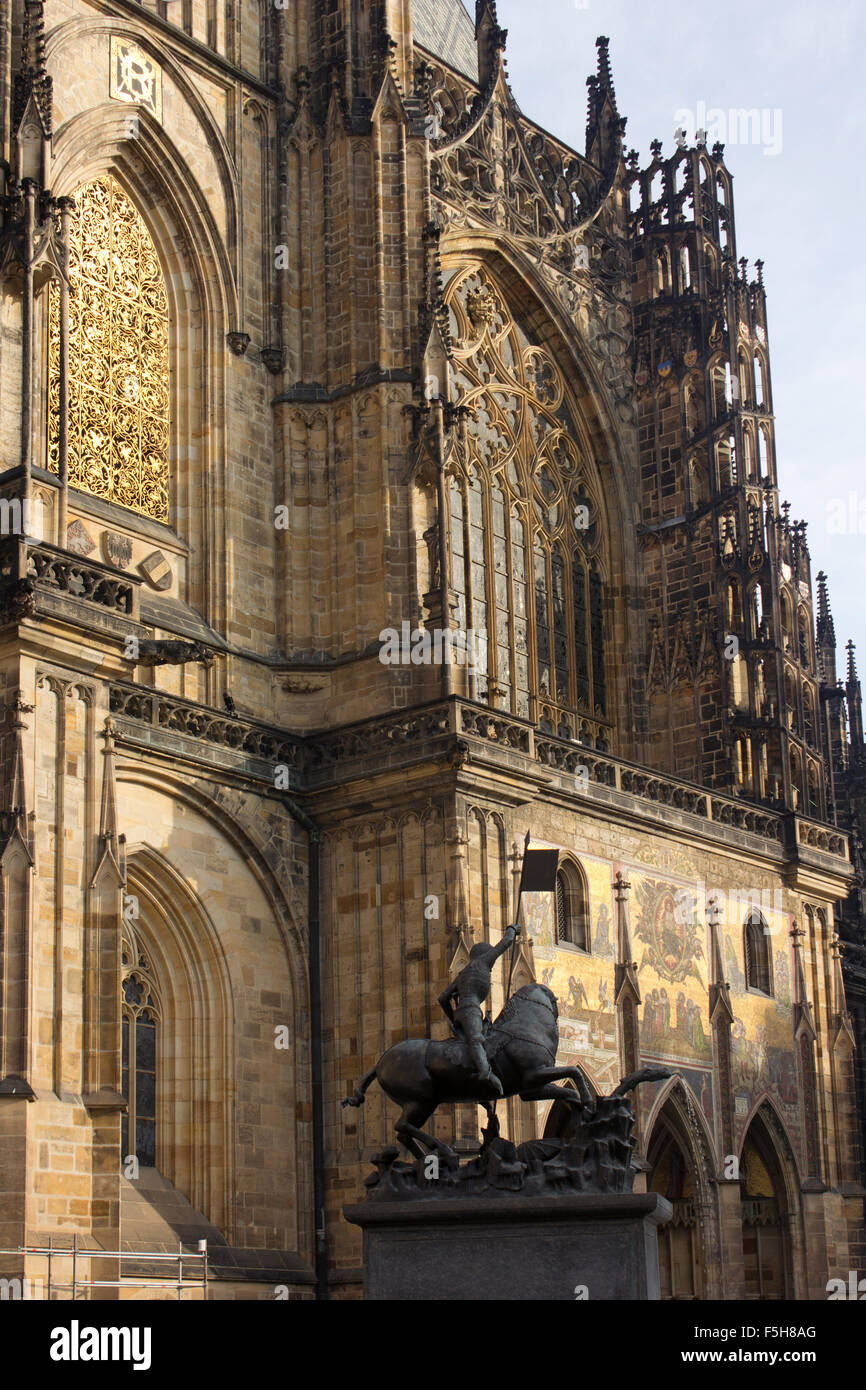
[767,1268]
[672,1175]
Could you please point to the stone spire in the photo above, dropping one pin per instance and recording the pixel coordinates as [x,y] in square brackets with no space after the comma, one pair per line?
[31,79]
[803,1019]
[605,76]
[855,702]
[825,632]
[111,848]
[604,125]
[14,813]
[720,990]
[626,974]
[841,1014]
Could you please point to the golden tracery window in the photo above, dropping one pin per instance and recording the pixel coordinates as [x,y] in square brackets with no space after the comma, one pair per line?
[118,355]
[527,563]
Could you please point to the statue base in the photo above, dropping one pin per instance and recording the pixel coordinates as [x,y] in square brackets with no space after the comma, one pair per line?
[512,1248]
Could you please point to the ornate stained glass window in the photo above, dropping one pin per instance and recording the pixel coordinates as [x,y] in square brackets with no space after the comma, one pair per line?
[527,546]
[140,1015]
[118,355]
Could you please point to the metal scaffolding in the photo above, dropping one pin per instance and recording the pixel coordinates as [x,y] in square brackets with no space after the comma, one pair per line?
[78,1287]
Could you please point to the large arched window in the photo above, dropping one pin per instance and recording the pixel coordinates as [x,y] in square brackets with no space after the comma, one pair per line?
[140,1016]
[527,560]
[118,356]
[572,907]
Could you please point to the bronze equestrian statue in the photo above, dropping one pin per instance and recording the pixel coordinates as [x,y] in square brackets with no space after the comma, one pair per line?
[519,1048]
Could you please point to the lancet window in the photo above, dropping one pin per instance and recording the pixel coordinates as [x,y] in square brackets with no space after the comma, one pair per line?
[140,1017]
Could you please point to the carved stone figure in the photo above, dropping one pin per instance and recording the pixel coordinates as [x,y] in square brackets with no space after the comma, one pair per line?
[158,652]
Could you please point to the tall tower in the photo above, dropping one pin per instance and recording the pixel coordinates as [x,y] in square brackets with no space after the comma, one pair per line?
[732,695]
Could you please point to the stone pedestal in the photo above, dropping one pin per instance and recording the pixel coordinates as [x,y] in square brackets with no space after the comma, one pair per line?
[517,1249]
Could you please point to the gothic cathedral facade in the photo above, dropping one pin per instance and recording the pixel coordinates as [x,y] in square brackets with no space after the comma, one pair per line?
[382,478]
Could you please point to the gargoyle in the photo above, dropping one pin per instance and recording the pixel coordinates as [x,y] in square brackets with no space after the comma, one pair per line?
[156,652]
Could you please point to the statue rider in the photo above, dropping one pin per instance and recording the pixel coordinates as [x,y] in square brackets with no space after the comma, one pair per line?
[470,988]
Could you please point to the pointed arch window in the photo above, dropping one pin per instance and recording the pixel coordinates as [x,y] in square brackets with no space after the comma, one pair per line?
[527,559]
[763,454]
[685,270]
[756,938]
[809,715]
[596,622]
[663,272]
[803,643]
[140,1017]
[694,407]
[118,439]
[542,622]
[748,462]
[520,616]
[572,907]
[759,380]
[757,608]
[581,630]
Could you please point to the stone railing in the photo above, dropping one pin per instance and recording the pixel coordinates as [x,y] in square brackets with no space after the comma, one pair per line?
[25,570]
[744,817]
[760,1211]
[378,737]
[315,760]
[495,728]
[604,770]
[87,579]
[575,760]
[684,1213]
[821,837]
[240,735]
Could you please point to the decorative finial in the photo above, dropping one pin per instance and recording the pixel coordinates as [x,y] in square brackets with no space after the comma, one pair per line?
[825,629]
[851,648]
[605,77]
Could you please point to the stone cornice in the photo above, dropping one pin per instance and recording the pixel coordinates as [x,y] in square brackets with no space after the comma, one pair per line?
[472,743]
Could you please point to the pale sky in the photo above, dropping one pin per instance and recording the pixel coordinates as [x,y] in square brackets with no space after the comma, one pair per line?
[801,210]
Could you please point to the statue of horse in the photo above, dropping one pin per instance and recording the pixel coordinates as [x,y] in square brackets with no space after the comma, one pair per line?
[421,1073]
